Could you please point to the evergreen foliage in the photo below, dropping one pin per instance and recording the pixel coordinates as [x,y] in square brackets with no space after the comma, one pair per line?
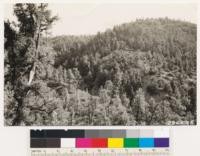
[138,73]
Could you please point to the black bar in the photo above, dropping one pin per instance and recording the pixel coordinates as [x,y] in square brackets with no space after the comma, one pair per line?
[53,143]
[38,143]
[37,134]
[53,133]
[45,143]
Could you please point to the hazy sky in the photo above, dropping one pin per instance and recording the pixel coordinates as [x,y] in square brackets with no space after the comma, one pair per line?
[80,19]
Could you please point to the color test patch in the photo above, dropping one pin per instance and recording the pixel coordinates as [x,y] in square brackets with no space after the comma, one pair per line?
[131,142]
[100,143]
[146,142]
[45,143]
[115,142]
[133,133]
[68,142]
[53,143]
[38,143]
[161,142]
[83,143]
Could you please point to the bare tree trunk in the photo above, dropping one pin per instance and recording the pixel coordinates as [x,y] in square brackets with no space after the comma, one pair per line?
[31,75]
[32,72]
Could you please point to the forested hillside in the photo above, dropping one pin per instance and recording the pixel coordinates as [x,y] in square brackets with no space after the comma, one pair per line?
[138,73]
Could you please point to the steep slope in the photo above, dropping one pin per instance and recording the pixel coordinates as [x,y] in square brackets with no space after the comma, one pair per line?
[138,73]
[157,55]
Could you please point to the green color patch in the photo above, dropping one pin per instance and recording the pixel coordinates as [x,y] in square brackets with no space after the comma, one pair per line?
[131,142]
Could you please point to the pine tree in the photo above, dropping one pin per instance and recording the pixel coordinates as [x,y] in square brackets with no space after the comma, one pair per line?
[33,20]
[118,114]
[139,106]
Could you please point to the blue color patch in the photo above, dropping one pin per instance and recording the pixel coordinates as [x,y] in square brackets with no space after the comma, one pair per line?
[146,142]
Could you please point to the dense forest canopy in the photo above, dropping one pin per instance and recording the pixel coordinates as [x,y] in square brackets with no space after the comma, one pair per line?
[138,73]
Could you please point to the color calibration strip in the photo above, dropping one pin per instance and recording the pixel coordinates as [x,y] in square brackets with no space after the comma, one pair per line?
[100,143]
[91,141]
[99,138]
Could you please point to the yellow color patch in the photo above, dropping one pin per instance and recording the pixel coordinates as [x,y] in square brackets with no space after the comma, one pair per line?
[115,142]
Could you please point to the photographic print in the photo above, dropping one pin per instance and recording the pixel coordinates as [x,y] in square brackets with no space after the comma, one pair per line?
[100,64]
